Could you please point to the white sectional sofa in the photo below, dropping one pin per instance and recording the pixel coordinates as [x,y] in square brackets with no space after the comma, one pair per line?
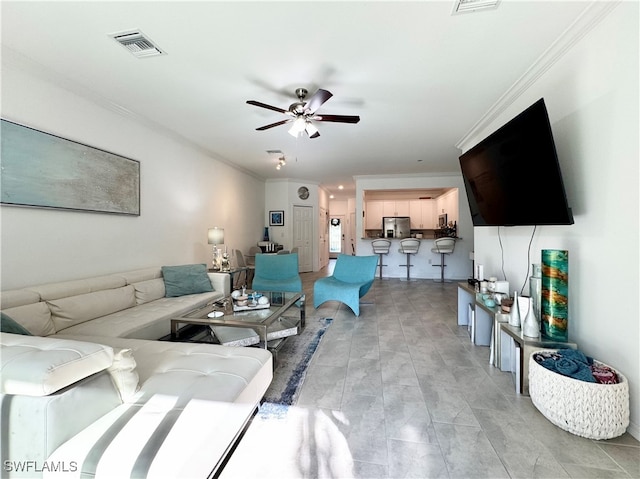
[93,393]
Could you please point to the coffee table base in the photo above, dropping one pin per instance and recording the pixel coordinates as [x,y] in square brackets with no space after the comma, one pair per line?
[282,328]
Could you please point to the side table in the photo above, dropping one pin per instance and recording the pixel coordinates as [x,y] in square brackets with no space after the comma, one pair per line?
[232,272]
[515,350]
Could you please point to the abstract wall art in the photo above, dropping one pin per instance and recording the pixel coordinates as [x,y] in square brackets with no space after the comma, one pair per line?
[41,170]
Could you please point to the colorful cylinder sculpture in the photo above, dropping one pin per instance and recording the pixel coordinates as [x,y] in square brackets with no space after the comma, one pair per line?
[555,294]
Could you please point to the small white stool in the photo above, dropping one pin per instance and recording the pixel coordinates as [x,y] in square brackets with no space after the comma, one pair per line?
[409,246]
[381,247]
[443,246]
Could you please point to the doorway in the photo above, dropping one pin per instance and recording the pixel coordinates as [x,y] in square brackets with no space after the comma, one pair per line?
[337,230]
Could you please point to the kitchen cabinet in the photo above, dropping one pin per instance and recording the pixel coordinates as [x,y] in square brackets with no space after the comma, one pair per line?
[422,214]
[396,208]
[373,214]
[448,203]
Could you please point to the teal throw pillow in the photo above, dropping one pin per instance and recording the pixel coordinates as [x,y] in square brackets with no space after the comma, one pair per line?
[186,279]
[8,325]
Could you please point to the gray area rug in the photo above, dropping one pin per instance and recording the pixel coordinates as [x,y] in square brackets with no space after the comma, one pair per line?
[291,368]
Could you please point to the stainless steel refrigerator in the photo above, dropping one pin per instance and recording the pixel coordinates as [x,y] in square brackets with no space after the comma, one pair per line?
[396,226]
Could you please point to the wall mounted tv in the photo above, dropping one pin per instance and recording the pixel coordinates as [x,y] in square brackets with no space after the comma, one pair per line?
[513,177]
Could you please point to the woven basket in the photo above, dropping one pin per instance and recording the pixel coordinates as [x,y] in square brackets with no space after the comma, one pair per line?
[592,410]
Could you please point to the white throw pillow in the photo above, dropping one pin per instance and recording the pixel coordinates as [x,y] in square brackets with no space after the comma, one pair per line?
[123,373]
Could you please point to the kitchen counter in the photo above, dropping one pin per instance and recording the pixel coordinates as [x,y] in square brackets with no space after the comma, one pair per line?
[377,233]
[424,262]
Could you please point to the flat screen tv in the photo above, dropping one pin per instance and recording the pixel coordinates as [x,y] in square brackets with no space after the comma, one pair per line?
[513,178]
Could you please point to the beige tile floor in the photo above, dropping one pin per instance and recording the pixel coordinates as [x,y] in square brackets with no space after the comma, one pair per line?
[401,392]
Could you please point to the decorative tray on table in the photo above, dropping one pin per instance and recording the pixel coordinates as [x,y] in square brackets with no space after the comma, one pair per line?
[251,301]
[249,306]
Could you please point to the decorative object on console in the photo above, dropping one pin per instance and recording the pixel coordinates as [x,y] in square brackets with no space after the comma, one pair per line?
[535,290]
[514,314]
[479,272]
[530,325]
[225,265]
[216,237]
[555,292]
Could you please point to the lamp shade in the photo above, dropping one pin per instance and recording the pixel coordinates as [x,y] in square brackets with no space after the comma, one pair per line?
[216,235]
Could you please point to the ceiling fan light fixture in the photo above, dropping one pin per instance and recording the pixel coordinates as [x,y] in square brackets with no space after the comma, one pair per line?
[299,125]
[311,130]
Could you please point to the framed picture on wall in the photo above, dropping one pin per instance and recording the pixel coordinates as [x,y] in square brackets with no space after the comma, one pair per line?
[276,218]
[41,170]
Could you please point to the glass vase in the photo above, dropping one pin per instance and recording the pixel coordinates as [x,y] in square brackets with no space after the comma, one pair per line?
[555,294]
[535,289]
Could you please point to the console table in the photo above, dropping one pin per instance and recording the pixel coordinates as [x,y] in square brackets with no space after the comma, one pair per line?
[515,350]
[477,316]
[509,348]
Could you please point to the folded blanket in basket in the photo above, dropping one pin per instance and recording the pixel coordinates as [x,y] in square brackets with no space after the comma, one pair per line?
[604,374]
[568,362]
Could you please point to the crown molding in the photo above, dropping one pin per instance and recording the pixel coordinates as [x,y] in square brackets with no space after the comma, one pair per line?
[588,19]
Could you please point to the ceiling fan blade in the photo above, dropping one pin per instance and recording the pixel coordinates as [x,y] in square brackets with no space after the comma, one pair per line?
[277,123]
[338,118]
[264,105]
[317,100]
[315,135]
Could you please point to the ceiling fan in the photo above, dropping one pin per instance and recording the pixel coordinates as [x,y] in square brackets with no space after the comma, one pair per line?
[302,113]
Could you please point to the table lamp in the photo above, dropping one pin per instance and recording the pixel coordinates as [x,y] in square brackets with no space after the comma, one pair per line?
[216,237]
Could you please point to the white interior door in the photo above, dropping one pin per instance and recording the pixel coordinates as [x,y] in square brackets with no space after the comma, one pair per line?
[303,236]
[352,233]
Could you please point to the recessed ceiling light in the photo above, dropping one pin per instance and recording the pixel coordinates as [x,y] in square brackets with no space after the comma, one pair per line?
[468,6]
[331,197]
[340,187]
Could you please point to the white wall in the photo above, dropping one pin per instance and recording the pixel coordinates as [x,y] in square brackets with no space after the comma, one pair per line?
[592,97]
[283,195]
[183,193]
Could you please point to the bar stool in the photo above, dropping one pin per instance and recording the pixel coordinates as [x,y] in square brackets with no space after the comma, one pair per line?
[409,246]
[381,247]
[443,246]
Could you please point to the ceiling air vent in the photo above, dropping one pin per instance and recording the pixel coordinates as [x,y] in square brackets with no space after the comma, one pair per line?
[137,43]
[468,6]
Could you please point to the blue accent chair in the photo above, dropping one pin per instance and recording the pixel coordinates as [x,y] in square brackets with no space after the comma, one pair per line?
[352,278]
[277,272]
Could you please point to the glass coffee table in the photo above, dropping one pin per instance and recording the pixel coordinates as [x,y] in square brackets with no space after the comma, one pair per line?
[264,325]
